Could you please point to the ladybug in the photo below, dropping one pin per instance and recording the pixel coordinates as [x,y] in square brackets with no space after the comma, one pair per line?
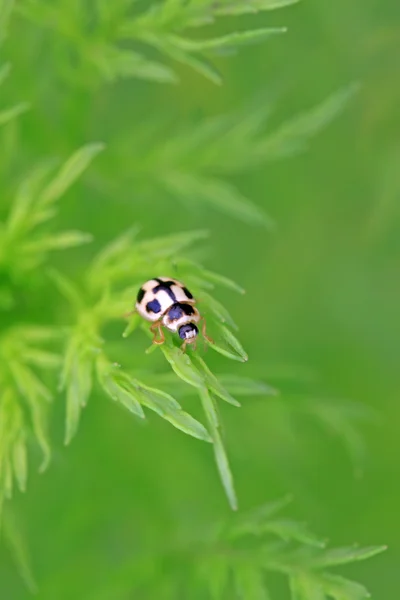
[168,303]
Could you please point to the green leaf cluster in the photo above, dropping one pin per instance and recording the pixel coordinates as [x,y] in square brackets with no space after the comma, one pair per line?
[107,37]
[242,557]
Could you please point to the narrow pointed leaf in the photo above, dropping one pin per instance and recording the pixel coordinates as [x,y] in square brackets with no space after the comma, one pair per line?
[212,382]
[17,544]
[219,450]
[69,172]
[249,583]
[182,365]
[11,113]
[342,556]
[251,6]
[243,386]
[232,40]
[167,407]
[20,462]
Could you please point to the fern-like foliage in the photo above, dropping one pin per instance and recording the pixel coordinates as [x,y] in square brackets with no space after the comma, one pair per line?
[108,290]
[98,32]
[240,559]
[192,162]
[26,358]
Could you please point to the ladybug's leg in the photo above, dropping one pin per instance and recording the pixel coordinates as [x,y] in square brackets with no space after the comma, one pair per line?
[203,331]
[129,314]
[157,327]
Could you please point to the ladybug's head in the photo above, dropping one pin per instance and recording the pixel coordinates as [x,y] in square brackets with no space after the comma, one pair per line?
[188,332]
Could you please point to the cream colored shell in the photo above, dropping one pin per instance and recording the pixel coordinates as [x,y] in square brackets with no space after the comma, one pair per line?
[165,295]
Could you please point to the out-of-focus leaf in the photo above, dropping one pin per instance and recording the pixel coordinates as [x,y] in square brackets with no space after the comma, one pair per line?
[249,583]
[250,6]
[69,173]
[59,241]
[304,586]
[20,461]
[340,588]
[218,194]
[292,137]
[342,556]
[231,40]
[17,544]
[115,63]
[243,386]
[219,450]
[10,113]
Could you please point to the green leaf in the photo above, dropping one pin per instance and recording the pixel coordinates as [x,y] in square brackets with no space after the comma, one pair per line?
[196,62]
[20,461]
[118,385]
[59,241]
[304,586]
[238,352]
[232,40]
[215,571]
[249,583]
[250,6]
[168,408]
[216,308]
[252,521]
[292,136]
[243,386]
[219,195]
[133,324]
[42,358]
[212,382]
[125,396]
[17,544]
[77,378]
[292,531]
[115,63]
[342,556]
[26,195]
[219,449]
[221,280]
[339,588]
[170,245]
[182,365]
[9,114]
[69,173]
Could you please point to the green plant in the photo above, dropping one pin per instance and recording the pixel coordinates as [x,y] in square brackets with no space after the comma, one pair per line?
[74,348]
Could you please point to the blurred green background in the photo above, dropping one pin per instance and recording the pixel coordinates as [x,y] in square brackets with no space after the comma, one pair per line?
[320,315]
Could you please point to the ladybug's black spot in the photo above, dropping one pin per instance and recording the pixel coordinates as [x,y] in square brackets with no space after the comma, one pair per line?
[154,306]
[175,312]
[140,295]
[178,310]
[165,286]
[186,330]
[187,293]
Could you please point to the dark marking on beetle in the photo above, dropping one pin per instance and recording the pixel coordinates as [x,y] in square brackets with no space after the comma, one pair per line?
[165,286]
[188,294]
[140,295]
[175,312]
[185,330]
[154,306]
[180,309]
